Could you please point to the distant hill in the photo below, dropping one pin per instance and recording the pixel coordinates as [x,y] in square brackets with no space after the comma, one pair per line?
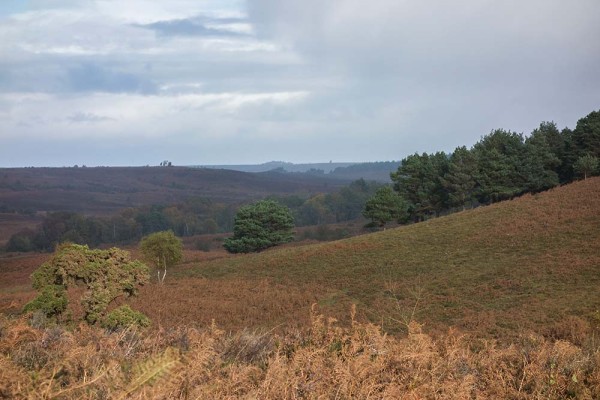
[375,171]
[108,189]
[274,165]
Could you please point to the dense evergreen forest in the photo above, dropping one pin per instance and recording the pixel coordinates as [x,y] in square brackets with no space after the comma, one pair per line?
[500,166]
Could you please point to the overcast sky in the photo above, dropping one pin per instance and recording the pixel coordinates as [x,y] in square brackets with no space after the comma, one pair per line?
[113,82]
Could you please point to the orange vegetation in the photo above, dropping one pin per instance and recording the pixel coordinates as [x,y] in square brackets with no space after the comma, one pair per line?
[323,361]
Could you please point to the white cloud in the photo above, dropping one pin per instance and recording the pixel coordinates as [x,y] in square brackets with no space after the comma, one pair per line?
[148,11]
[69,33]
[132,116]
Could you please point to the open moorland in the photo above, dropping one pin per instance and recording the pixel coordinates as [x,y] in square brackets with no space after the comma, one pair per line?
[102,190]
[528,263]
[496,302]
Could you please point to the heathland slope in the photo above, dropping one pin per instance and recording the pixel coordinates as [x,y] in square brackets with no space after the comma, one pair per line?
[529,263]
[525,271]
[532,263]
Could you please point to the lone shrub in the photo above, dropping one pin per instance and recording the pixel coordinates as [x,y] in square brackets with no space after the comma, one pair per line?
[106,275]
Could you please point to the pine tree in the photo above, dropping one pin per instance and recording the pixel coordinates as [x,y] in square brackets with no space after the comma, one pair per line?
[540,164]
[260,226]
[559,144]
[459,181]
[418,181]
[586,135]
[385,206]
[500,159]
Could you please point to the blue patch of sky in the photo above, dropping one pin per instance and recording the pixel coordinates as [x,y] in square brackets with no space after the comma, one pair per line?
[10,7]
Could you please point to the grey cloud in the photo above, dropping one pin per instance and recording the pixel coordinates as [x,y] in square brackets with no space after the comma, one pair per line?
[33,121]
[32,76]
[458,69]
[197,26]
[435,40]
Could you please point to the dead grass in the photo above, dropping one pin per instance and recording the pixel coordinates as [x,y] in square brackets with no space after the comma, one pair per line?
[321,360]
[494,271]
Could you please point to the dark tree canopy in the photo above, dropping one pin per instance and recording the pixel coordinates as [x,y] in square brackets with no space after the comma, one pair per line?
[459,181]
[500,157]
[500,166]
[586,135]
[418,181]
[259,226]
[385,206]
[540,164]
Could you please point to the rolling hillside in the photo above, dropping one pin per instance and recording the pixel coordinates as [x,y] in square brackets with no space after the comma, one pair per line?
[529,263]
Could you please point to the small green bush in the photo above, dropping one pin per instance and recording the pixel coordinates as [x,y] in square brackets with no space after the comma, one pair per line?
[123,317]
[106,275]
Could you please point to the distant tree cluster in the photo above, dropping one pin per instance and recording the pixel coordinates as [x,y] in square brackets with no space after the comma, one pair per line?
[502,165]
[344,205]
[193,217]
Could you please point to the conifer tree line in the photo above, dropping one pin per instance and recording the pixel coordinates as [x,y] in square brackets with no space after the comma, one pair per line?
[501,166]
